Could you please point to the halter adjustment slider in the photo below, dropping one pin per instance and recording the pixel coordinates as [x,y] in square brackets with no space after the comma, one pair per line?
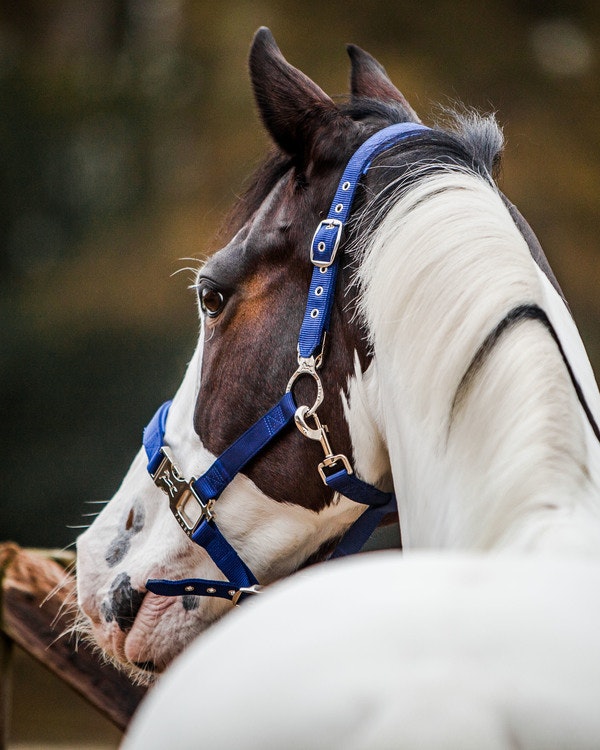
[185,504]
[330,461]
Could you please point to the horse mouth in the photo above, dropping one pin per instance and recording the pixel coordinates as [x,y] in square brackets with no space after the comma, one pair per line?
[142,646]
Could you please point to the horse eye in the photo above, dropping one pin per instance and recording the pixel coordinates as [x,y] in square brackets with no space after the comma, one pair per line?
[211,301]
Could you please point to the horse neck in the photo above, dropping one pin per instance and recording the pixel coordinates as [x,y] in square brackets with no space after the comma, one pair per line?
[488,448]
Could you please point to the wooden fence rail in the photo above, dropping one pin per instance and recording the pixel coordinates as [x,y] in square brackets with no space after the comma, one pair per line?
[34,620]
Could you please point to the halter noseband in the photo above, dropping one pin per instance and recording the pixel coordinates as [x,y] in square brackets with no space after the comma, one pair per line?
[192,501]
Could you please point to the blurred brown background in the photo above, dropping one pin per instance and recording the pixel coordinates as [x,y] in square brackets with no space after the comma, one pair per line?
[127,128]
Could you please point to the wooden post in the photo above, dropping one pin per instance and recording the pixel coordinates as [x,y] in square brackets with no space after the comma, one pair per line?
[37,599]
[5,688]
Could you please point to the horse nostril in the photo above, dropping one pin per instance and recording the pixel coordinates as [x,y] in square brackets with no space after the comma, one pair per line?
[123,602]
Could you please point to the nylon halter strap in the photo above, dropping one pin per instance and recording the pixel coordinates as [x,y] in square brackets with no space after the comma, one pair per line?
[192,502]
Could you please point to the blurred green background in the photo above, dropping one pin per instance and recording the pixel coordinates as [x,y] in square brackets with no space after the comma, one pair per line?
[127,129]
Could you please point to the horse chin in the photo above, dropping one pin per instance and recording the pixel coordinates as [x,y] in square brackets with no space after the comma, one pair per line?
[162,629]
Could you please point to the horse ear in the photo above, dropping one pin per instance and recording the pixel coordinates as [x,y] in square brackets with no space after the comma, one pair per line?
[368,80]
[293,108]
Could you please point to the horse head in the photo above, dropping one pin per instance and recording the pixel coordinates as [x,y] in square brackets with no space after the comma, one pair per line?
[278,514]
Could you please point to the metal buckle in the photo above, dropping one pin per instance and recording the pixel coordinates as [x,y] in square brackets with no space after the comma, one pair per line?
[235,599]
[330,461]
[185,504]
[326,224]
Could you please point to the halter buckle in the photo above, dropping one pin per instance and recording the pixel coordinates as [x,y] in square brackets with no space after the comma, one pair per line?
[185,504]
[322,243]
[244,590]
[330,461]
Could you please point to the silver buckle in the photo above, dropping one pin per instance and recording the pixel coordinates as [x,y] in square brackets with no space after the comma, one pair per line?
[256,589]
[189,509]
[328,224]
[330,461]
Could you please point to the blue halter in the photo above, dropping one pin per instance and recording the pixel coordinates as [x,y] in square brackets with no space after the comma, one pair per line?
[192,501]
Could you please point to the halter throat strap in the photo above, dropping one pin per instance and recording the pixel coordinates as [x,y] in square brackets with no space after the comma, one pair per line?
[192,501]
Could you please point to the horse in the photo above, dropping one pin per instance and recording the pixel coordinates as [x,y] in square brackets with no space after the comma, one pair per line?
[438,374]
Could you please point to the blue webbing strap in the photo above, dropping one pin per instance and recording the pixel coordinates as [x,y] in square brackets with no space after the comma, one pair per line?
[247,446]
[351,486]
[328,235]
[238,574]
[153,437]
[379,505]
[357,535]
[196,587]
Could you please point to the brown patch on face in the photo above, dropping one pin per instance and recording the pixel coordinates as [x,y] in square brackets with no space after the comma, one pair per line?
[256,301]
[250,349]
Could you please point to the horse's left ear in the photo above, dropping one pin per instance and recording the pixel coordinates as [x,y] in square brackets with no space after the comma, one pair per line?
[368,80]
[293,108]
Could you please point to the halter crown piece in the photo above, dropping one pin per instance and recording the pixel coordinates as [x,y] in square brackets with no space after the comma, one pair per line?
[192,502]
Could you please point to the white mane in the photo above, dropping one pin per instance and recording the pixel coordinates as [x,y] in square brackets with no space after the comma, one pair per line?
[509,459]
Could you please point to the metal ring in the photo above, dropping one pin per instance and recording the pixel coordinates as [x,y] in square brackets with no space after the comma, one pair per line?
[307,369]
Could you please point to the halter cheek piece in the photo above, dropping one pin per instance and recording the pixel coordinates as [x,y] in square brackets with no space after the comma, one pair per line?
[192,501]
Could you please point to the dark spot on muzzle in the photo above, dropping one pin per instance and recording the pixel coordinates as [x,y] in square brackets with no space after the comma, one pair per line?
[119,546]
[135,519]
[117,549]
[190,602]
[106,612]
[123,602]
